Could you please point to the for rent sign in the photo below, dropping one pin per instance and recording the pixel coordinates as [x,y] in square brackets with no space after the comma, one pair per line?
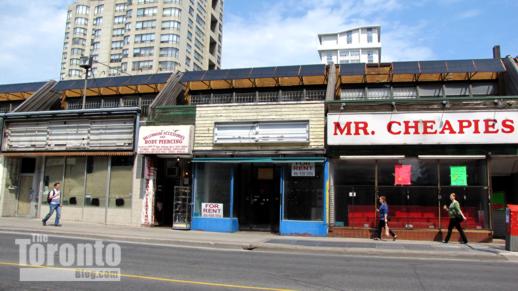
[482,127]
[165,139]
[303,169]
[212,210]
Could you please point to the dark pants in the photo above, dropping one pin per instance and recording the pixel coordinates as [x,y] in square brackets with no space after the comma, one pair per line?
[455,222]
[57,208]
[381,225]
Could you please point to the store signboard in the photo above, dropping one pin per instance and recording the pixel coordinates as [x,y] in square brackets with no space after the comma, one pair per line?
[165,140]
[303,170]
[214,210]
[480,127]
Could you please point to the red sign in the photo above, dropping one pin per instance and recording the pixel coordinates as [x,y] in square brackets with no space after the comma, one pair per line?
[403,175]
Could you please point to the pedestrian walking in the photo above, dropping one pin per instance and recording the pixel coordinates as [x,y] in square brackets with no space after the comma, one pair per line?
[54,200]
[456,217]
[383,219]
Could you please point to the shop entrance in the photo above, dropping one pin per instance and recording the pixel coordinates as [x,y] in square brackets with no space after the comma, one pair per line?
[504,180]
[171,172]
[27,194]
[258,197]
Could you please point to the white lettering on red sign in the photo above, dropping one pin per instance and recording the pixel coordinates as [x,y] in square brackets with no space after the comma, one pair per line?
[212,210]
[423,128]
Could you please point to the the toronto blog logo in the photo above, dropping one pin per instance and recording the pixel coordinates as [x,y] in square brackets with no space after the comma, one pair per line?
[42,260]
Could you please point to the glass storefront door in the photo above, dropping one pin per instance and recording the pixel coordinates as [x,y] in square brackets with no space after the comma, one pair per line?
[355,193]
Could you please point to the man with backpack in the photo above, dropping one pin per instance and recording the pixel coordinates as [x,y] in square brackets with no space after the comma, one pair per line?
[54,200]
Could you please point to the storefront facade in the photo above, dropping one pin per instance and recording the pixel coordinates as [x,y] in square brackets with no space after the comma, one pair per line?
[165,152]
[260,167]
[89,153]
[416,159]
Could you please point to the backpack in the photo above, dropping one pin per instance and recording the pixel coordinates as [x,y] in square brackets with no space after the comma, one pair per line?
[49,198]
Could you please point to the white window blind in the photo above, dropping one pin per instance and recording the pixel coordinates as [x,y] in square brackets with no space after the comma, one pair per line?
[261,132]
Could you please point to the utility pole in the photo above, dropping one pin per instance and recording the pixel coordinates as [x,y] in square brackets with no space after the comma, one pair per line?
[85,63]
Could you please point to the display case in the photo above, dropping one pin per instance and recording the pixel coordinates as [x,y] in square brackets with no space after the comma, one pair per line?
[182,207]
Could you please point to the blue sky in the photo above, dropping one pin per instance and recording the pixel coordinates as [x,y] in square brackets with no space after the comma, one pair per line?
[273,32]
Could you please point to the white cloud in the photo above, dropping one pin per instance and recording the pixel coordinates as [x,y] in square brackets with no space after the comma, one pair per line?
[469,14]
[283,36]
[32,40]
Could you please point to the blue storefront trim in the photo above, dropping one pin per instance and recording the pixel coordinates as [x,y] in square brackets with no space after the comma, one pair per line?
[286,227]
[296,227]
[215,224]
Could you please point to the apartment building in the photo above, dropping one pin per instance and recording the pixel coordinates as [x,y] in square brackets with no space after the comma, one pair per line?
[357,45]
[142,36]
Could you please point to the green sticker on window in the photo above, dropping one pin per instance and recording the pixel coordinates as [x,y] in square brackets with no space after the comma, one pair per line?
[458,176]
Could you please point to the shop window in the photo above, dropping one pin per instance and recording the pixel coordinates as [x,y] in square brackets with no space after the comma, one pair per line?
[74,186]
[28,166]
[303,195]
[417,204]
[354,193]
[97,169]
[121,182]
[472,196]
[53,173]
[213,186]
[411,205]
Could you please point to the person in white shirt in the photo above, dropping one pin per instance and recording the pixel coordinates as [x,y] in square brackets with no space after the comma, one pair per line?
[55,204]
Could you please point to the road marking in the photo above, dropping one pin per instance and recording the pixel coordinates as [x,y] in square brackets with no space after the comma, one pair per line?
[162,279]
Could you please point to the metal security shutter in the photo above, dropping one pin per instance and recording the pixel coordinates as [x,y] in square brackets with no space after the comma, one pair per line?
[262,132]
[288,132]
[235,133]
[70,135]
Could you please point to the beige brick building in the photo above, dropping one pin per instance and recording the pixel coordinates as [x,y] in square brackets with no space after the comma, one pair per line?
[142,36]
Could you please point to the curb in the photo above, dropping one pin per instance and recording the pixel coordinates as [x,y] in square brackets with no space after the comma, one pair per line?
[272,247]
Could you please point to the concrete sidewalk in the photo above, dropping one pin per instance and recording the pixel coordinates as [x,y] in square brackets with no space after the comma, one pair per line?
[260,241]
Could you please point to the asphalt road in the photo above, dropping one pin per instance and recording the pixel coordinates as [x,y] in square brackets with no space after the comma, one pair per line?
[152,267]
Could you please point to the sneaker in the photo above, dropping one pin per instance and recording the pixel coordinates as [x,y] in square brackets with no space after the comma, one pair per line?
[444,242]
[58,225]
[394,238]
[464,242]
[376,238]
[44,222]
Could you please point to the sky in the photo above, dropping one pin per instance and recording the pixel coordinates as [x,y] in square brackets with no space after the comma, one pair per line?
[284,32]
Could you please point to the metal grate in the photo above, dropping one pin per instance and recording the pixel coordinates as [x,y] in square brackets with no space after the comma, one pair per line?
[221,98]
[292,95]
[315,95]
[92,104]
[268,96]
[144,106]
[248,97]
[130,102]
[4,109]
[200,99]
[74,104]
[111,102]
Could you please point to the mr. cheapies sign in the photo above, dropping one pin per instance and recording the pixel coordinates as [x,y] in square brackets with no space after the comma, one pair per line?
[165,139]
[482,127]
